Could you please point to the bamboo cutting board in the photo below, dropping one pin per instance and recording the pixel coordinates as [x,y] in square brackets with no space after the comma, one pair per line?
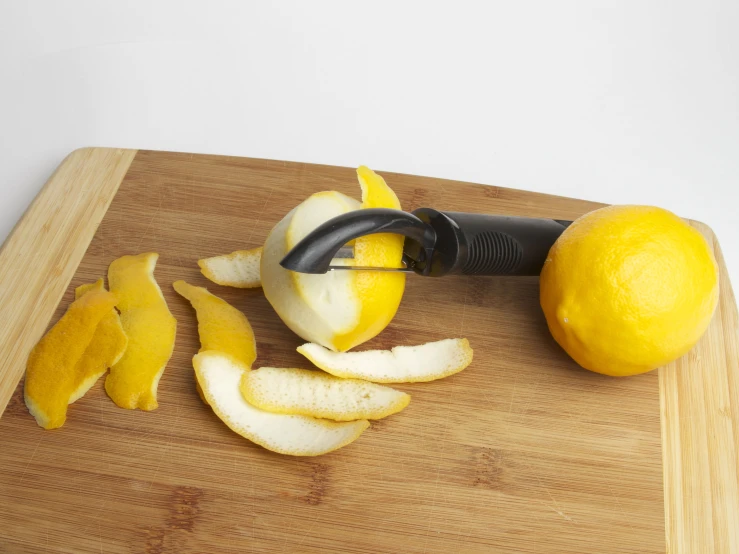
[523,452]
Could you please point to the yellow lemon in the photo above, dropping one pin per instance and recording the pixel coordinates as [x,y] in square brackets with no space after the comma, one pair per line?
[341,309]
[627,289]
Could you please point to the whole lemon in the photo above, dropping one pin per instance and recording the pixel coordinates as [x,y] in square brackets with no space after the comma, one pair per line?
[627,289]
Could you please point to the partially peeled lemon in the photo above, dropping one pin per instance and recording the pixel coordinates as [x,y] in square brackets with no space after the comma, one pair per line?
[341,309]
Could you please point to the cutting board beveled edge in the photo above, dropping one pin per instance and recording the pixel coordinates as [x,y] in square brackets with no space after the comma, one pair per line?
[699,394]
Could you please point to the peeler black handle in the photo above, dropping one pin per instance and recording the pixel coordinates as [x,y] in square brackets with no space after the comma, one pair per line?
[477,244]
[437,243]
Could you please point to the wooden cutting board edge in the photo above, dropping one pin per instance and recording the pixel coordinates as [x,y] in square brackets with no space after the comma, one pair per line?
[699,394]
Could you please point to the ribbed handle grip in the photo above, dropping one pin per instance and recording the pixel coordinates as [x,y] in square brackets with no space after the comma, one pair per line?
[478,244]
[493,253]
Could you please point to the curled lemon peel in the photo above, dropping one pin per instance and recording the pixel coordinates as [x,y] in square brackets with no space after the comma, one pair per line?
[317,394]
[238,269]
[107,346]
[221,327]
[133,381]
[402,364]
[219,376]
[51,372]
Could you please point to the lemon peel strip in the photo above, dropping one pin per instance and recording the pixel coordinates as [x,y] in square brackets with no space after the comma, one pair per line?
[132,382]
[221,326]
[107,346]
[402,364]
[238,269]
[219,376]
[51,371]
[316,394]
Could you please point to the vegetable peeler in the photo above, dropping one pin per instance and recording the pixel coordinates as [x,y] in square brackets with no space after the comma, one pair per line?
[436,243]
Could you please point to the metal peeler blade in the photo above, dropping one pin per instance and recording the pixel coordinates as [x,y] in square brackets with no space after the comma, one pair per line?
[347,253]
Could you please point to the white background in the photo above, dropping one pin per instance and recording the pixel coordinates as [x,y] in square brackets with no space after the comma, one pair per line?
[623,102]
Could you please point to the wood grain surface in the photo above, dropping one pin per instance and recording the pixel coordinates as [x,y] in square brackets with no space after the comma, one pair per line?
[523,452]
[44,249]
[700,430]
